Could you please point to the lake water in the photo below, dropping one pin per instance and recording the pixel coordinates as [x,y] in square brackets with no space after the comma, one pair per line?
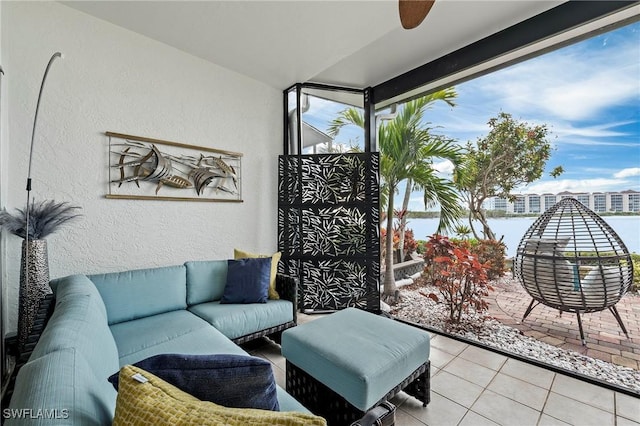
[627,227]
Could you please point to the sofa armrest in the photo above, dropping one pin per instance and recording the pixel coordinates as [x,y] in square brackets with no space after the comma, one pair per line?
[381,415]
[287,288]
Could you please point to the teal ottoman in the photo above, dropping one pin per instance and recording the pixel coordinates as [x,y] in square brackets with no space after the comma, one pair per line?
[345,364]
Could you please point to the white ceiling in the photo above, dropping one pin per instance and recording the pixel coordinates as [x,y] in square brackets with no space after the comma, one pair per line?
[351,43]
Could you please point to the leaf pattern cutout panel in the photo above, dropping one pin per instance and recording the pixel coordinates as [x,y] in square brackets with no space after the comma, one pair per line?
[328,228]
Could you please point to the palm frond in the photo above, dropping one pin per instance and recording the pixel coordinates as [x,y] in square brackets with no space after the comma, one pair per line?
[349,116]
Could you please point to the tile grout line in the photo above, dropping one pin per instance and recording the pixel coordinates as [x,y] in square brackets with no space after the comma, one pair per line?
[546,400]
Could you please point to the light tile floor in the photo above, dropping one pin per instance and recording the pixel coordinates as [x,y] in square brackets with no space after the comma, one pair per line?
[474,387]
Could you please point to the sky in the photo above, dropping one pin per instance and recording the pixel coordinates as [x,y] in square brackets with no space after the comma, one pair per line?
[587,94]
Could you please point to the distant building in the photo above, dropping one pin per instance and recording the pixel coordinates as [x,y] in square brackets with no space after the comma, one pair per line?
[501,204]
[549,200]
[534,203]
[600,202]
[632,199]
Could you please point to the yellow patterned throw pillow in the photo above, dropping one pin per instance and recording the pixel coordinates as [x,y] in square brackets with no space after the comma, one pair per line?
[144,399]
[275,258]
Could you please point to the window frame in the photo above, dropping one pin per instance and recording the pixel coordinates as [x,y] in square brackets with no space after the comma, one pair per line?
[560,26]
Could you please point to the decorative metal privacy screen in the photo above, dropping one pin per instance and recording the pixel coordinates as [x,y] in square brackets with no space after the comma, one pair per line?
[328,213]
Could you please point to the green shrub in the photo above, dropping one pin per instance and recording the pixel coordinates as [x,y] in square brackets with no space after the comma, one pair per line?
[635,258]
[421,246]
[493,253]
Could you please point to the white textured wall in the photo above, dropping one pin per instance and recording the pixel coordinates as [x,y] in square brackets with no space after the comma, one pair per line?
[3,186]
[113,79]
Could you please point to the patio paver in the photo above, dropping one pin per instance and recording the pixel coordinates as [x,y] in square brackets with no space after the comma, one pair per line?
[605,340]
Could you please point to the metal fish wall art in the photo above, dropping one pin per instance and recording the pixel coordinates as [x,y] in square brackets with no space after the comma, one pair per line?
[165,164]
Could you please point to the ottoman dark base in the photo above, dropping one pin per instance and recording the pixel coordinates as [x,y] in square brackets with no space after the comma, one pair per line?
[324,402]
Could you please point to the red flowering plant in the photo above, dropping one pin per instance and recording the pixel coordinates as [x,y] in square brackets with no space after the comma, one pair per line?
[437,246]
[409,245]
[491,252]
[459,276]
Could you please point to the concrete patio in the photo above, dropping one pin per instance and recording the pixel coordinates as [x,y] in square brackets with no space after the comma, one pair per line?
[474,386]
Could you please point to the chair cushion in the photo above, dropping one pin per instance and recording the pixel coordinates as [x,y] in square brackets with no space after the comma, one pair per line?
[157,402]
[547,272]
[239,320]
[239,381]
[247,281]
[139,293]
[364,361]
[604,283]
[205,280]
[275,258]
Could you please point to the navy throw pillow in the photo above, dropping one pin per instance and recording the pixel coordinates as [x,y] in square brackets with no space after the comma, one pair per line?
[247,281]
[237,381]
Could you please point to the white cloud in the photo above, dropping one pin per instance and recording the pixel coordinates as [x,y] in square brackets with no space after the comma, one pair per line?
[416,203]
[444,168]
[573,84]
[592,142]
[579,185]
[563,129]
[584,99]
[629,172]
[586,94]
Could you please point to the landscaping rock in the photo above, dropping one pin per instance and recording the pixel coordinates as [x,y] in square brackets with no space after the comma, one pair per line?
[414,306]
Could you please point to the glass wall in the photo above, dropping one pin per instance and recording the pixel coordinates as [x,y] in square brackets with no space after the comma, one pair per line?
[583,99]
[319,107]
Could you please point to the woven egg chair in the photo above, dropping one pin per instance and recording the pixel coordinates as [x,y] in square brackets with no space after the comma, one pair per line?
[572,260]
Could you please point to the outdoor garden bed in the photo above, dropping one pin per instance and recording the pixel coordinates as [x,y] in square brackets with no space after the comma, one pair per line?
[414,306]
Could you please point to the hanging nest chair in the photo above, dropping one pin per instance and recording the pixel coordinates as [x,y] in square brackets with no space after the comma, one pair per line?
[572,260]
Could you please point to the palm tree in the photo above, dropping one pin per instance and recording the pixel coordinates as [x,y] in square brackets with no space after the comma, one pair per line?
[407,150]
[447,95]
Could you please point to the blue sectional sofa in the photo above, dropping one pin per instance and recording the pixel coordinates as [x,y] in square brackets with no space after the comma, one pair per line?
[102,322]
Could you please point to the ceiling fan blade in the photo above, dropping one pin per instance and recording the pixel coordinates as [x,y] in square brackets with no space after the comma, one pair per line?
[413,12]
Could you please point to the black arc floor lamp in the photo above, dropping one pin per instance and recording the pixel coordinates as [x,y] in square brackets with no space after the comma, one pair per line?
[28,316]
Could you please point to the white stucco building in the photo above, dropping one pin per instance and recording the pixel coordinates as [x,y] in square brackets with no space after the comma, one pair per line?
[600,202]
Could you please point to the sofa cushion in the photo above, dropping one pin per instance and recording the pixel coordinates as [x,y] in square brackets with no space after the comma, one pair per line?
[78,323]
[247,281]
[239,320]
[275,258]
[178,332]
[157,402]
[63,383]
[139,293]
[206,280]
[289,403]
[72,285]
[239,381]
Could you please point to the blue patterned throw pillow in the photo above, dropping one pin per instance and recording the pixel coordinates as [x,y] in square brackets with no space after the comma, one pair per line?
[247,281]
[237,381]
